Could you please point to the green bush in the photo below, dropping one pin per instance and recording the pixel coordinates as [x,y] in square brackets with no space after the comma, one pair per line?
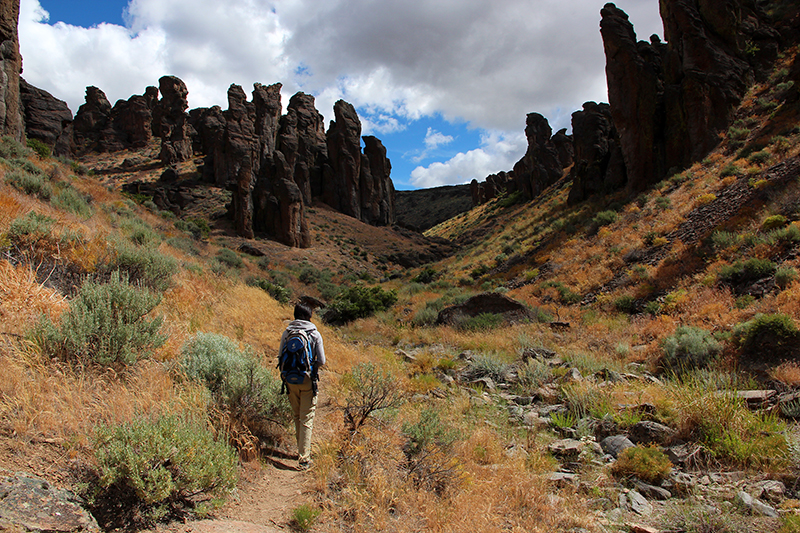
[625,304]
[139,232]
[106,324]
[31,228]
[428,450]
[785,275]
[533,374]
[768,335]
[277,291]
[151,470]
[725,239]
[70,199]
[41,149]
[427,275]
[31,184]
[11,148]
[689,348]
[604,218]
[758,158]
[305,516]
[229,258]
[143,264]
[746,271]
[425,317]
[237,381]
[730,170]
[649,464]
[359,302]
[565,294]
[774,222]
[486,366]
[197,227]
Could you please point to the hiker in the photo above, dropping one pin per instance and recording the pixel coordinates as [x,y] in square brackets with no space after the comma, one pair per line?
[300,356]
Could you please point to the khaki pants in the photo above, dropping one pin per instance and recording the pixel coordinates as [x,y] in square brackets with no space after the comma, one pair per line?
[304,405]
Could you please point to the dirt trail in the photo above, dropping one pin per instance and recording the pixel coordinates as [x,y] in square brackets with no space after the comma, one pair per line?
[268,490]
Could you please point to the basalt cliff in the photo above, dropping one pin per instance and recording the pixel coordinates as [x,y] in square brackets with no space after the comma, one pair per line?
[668,101]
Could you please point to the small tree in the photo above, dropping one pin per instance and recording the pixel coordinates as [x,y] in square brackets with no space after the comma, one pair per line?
[372,389]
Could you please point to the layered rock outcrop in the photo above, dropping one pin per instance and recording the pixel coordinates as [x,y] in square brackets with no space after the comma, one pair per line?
[47,118]
[598,165]
[11,120]
[670,101]
[277,165]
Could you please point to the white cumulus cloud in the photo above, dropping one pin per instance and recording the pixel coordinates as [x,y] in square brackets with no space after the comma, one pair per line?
[498,152]
[486,63]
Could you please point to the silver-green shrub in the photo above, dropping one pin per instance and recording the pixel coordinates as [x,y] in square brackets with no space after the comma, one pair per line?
[689,348]
[238,382]
[156,469]
[107,323]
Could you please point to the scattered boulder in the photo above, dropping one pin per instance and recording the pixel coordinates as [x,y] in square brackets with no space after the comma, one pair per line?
[488,302]
[566,448]
[32,504]
[615,445]
[633,501]
[649,432]
[754,505]
[652,492]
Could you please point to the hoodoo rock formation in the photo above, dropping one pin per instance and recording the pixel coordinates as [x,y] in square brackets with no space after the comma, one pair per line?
[598,166]
[540,167]
[668,101]
[171,121]
[274,165]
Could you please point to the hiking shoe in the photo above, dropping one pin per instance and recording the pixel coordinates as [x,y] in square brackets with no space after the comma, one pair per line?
[303,465]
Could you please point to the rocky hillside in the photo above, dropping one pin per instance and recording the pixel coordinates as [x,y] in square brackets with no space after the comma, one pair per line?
[275,165]
[424,208]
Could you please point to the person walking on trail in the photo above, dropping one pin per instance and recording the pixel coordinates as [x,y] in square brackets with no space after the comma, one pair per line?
[301,355]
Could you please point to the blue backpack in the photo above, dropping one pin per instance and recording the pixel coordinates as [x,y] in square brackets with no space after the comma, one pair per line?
[296,361]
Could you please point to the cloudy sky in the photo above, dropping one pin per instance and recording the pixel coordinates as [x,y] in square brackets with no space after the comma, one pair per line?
[445,84]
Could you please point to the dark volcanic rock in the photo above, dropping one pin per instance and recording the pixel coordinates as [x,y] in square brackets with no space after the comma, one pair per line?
[633,72]
[32,504]
[100,128]
[132,119]
[598,164]
[92,127]
[540,167]
[488,302]
[47,118]
[301,139]
[171,122]
[670,101]
[11,119]
[377,189]
[342,188]
[241,158]
[564,147]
